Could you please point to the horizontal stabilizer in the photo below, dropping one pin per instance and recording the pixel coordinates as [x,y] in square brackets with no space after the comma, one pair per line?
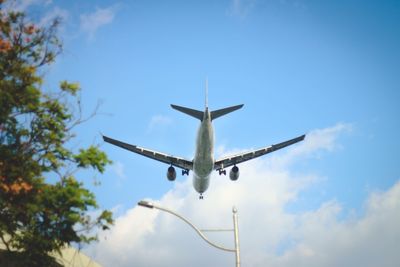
[191,112]
[220,112]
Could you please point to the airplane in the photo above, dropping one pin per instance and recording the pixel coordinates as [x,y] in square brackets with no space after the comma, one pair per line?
[203,163]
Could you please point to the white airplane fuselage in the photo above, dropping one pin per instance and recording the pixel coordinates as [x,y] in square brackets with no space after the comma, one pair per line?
[203,163]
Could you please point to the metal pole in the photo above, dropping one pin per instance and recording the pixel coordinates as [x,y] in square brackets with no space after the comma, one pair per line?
[236,235]
[194,228]
[151,205]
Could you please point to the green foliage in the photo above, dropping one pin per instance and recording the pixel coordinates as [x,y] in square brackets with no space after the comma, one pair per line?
[36,216]
[18,259]
[92,157]
[71,88]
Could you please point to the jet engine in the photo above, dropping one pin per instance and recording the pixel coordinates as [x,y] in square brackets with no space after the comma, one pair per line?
[234,173]
[171,174]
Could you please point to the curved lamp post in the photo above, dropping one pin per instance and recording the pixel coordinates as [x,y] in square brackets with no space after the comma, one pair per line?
[236,250]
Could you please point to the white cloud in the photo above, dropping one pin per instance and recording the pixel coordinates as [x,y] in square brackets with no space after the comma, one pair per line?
[46,15]
[23,5]
[241,8]
[56,12]
[159,120]
[317,141]
[90,23]
[371,240]
[269,235]
[119,169]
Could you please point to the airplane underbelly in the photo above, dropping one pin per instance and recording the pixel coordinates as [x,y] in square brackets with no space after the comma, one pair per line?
[203,166]
[201,184]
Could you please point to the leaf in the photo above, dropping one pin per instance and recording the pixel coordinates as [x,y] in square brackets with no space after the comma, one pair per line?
[71,88]
[42,205]
[92,157]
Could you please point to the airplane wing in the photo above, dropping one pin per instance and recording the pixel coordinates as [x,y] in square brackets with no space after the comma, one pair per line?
[239,158]
[168,159]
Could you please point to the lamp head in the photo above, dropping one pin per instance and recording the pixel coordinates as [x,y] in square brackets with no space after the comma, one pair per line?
[146,204]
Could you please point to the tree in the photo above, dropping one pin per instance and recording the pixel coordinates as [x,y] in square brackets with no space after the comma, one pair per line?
[38,216]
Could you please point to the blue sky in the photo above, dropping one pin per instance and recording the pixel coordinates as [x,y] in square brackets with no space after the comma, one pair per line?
[328,68]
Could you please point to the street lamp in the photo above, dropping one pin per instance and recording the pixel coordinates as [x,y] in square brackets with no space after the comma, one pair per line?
[236,250]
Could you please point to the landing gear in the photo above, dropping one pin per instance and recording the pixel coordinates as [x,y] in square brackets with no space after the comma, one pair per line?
[222,171]
[185,172]
[201,196]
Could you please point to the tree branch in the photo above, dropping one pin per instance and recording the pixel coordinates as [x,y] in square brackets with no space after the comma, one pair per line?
[5,242]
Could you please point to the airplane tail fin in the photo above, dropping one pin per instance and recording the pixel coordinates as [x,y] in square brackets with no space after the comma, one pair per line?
[191,112]
[200,114]
[221,112]
[206,100]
